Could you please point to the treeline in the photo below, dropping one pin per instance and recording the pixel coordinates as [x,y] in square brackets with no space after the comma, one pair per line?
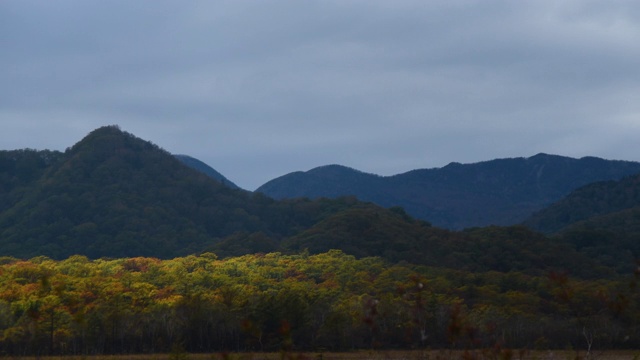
[271,302]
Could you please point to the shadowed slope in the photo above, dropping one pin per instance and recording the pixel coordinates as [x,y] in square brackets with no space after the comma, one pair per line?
[501,192]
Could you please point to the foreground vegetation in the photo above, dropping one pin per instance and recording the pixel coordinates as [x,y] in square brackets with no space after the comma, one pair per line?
[274,302]
[374,355]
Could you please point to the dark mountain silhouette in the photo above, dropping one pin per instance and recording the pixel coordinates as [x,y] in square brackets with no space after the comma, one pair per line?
[394,236]
[501,192]
[115,195]
[205,169]
[589,202]
[601,220]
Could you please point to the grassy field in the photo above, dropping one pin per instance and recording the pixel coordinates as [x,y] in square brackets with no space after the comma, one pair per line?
[373,355]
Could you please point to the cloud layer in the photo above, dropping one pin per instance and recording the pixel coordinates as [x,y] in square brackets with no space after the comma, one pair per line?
[258,89]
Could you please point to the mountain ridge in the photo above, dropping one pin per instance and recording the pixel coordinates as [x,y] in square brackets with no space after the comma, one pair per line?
[456,196]
[115,195]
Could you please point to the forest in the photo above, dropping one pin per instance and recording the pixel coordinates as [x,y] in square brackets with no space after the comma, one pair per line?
[115,246]
[274,302]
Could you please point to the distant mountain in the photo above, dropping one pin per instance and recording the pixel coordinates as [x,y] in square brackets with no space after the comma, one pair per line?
[205,169]
[496,192]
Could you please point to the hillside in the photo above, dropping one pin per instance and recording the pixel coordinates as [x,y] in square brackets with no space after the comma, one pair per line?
[296,274]
[601,220]
[205,169]
[115,195]
[367,232]
[499,192]
[593,200]
[19,169]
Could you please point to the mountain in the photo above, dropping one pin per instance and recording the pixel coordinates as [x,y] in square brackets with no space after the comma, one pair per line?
[205,169]
[396,278]
[588,202]
[115,195]
[394,236]
[601,220]
[496,192]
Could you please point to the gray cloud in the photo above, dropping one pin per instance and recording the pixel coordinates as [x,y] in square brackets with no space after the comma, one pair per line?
[259,89]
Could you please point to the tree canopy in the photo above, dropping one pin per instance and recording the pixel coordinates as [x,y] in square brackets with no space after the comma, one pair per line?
[272,302]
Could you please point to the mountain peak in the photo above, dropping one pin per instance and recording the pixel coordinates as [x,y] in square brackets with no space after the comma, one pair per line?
[110,138]
[114,193]
[335,169]
[110,144]
[110,131]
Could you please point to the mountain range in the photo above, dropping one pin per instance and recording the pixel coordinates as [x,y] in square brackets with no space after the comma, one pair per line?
[496,192]
[115,195]
[103,239]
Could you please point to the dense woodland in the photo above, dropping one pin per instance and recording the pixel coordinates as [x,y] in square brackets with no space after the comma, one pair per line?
[588,203]
[116,246]
[274,302]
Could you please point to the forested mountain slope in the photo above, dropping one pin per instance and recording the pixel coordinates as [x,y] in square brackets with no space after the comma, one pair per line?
[597,199]
[19,169]
[205,169]
[283,275]
[372,232]
[115,195]
[601,220]
[500,192]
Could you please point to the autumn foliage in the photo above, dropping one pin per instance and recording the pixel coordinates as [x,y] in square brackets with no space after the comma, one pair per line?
[273,302]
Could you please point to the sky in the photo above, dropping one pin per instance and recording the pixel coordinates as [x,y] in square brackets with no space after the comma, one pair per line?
[258,89]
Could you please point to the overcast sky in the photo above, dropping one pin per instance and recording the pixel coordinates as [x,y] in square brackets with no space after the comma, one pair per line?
[258,89]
